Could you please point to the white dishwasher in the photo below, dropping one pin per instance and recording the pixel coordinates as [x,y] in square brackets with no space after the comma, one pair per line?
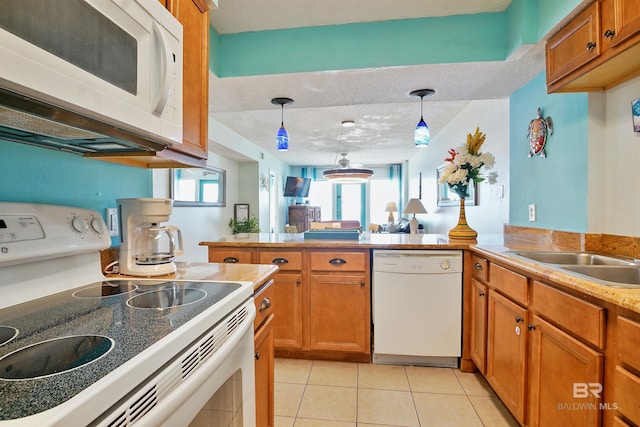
[417,307]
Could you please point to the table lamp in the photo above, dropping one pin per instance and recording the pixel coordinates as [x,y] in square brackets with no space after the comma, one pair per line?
[414,207]
[391,208]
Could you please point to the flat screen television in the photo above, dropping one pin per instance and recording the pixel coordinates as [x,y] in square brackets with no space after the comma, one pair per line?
[297,187]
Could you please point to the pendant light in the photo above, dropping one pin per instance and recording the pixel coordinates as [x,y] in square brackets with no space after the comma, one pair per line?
[282,137]
[344,173]
[422,135]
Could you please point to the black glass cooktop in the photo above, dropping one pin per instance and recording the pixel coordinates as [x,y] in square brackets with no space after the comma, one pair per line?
[112,321]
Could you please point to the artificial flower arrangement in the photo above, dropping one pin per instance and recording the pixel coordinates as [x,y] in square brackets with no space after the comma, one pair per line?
[465,163]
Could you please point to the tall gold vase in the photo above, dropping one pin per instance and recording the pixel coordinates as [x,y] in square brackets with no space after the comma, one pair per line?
[462,231]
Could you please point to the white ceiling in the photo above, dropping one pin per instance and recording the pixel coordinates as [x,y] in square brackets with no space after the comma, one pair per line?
[377,99]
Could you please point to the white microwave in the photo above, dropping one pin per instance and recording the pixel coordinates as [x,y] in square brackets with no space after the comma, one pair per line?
[90,75]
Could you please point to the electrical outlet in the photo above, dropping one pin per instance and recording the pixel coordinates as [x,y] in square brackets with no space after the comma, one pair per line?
[112,222]
[532,213]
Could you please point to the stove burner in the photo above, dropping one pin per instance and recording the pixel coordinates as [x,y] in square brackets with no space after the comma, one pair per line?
[7,333]
[106,289]
[161,299]
[53,357]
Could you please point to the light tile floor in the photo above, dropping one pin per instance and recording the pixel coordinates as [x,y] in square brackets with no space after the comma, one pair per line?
[342,394]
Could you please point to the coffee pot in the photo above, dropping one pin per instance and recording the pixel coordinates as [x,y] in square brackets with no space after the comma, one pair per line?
[147,247]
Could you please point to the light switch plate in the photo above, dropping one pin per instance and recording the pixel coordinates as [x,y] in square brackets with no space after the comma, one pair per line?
[112,222]
[532,213]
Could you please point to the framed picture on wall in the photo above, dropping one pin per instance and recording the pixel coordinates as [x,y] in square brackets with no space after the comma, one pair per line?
[635,113]
[241,213]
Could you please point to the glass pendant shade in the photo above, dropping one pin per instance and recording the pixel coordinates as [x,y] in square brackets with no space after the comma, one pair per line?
[422,135]
[282,139]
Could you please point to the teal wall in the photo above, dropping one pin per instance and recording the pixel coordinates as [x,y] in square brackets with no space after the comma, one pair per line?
[32,174]
[557,184]
[460,38]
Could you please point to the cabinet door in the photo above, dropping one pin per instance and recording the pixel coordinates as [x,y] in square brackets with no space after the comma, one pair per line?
[626,15]
[288,309]
[194,17]
[506,352]
[263,339]
[339,313]
[479,324]
[559,362]
[575,44]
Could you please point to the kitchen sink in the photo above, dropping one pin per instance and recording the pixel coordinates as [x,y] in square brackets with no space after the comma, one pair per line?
[616,276]
[575,258]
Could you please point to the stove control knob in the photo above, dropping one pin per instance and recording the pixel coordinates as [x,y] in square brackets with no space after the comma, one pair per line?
[79,224]
[98,226]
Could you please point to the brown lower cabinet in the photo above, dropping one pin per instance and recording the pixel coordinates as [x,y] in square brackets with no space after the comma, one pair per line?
[558,361]
[265,302]
[546,350]
[506,352]
[323,296]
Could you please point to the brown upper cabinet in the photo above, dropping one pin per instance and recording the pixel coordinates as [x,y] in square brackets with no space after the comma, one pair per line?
[596,50]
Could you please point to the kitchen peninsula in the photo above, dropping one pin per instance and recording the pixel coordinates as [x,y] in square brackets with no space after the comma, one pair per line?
[526,324]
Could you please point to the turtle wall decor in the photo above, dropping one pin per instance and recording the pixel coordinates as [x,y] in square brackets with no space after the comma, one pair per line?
[539,130]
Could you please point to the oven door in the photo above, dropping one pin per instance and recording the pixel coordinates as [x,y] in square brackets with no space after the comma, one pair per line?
[216,389]
[116,62]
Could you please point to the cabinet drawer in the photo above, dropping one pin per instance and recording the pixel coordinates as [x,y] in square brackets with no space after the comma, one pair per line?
[338,261]
[242,256]
[480,268]
[512,284]
[287,261]
[627,390]
[580,317]
[263,301]
[627,339]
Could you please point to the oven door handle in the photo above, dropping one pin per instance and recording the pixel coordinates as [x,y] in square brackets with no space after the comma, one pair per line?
[181,396]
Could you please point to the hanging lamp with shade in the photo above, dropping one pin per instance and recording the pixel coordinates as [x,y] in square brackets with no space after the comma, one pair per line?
[282,137]
[344,172]
[422,134]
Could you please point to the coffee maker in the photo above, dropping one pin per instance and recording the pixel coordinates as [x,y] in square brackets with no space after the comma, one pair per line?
[147,248]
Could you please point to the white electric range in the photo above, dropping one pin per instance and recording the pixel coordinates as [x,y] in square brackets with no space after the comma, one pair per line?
[79,348]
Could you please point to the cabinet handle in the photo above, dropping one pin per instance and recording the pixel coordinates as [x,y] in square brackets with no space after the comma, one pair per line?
[478,266]
[231,259]
[591,46]
[480,294]
[609,34]
[519,319]
[280,261]
[264,304]
[531,327]
[257,355]
[298,281]
[337,261]
[362,284]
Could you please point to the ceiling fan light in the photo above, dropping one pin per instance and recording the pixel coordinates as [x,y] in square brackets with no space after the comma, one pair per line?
[347,175]
[422,134]
[282,139]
